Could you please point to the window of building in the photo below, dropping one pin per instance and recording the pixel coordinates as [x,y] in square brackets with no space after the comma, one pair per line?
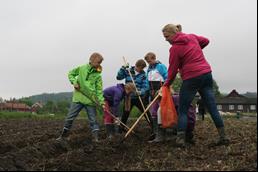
[252,107]
[219,107]
[240,107]
[231,107]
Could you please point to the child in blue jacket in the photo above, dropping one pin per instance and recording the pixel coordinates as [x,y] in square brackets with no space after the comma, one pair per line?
[141,82]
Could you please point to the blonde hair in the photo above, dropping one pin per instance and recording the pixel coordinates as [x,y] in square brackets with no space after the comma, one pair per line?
[150,55]
[130,86]
[171,28]
[96,56]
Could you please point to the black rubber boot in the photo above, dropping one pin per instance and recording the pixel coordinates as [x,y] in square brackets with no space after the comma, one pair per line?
[223,139]
[171,134]
[155,129]
[110,131]
[189,137]
[180,140]
[63,135]
[160,135]
[95,135]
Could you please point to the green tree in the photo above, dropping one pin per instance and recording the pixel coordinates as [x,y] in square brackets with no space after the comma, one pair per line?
[26,100]
[49,107]
[216,89]
[62,106]
[178,82]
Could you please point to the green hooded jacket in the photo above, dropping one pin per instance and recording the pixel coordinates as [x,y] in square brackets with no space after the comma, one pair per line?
[90,82]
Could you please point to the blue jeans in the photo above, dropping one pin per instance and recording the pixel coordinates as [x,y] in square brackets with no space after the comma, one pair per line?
[75,110]
[204,85]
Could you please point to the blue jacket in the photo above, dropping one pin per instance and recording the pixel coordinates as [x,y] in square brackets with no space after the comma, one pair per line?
[140,80]
[114,95]
[157,72]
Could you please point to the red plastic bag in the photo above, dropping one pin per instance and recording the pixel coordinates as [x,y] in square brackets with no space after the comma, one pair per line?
[167,109]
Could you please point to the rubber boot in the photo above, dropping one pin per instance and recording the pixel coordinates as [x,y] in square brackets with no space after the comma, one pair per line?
[160,135]
[171,134]
[124,119]
[110,131]
[117,129]
[223,139]
[155,129]
[180,140]
[95,135]
[189,137]
[62,135]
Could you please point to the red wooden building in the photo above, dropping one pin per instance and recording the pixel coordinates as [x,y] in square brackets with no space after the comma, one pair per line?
[14,106]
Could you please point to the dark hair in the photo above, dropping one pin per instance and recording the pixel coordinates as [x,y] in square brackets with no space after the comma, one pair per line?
[140,63]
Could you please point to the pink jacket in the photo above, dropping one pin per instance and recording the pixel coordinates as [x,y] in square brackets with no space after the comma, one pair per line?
[186,56]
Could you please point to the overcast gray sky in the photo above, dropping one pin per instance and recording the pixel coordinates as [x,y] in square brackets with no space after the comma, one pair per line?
[41,40]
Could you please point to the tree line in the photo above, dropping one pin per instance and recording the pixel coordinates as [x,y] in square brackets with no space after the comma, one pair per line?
[58,103]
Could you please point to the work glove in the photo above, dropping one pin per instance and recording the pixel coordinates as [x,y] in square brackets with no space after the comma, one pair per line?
[116,121]
[125,66]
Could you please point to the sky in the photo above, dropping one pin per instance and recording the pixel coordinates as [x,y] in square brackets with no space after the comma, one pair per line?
[42,40]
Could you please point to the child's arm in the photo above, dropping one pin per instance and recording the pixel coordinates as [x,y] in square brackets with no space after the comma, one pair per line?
[73,74]
[122,74]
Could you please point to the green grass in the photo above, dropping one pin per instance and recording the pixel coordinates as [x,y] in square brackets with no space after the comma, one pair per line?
[135,113]
[20,115]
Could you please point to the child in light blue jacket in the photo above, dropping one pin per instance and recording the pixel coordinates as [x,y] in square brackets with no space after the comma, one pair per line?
[156,75]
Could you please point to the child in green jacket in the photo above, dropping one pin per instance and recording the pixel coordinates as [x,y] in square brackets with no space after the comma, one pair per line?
[87,83]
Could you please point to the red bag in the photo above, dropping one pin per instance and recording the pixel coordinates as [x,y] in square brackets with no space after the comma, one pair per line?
[167,109]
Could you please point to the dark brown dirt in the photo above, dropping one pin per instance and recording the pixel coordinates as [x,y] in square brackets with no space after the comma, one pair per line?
[30,144]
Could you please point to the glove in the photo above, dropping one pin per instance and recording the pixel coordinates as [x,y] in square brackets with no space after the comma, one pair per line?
[104,107]
[76,86]
[125,66]
[116,121]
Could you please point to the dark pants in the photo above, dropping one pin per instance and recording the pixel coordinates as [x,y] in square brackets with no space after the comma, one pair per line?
[204,85]
[136,102]
[202,113]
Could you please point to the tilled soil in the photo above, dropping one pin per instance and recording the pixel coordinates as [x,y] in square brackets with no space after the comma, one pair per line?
[30,144]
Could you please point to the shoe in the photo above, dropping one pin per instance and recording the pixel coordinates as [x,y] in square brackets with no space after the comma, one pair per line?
[223,139]
[180,140]
[159,137]
[95,136]
[189,138]
[62,135]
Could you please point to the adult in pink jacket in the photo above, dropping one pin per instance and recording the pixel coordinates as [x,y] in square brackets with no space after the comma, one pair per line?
[187,58]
